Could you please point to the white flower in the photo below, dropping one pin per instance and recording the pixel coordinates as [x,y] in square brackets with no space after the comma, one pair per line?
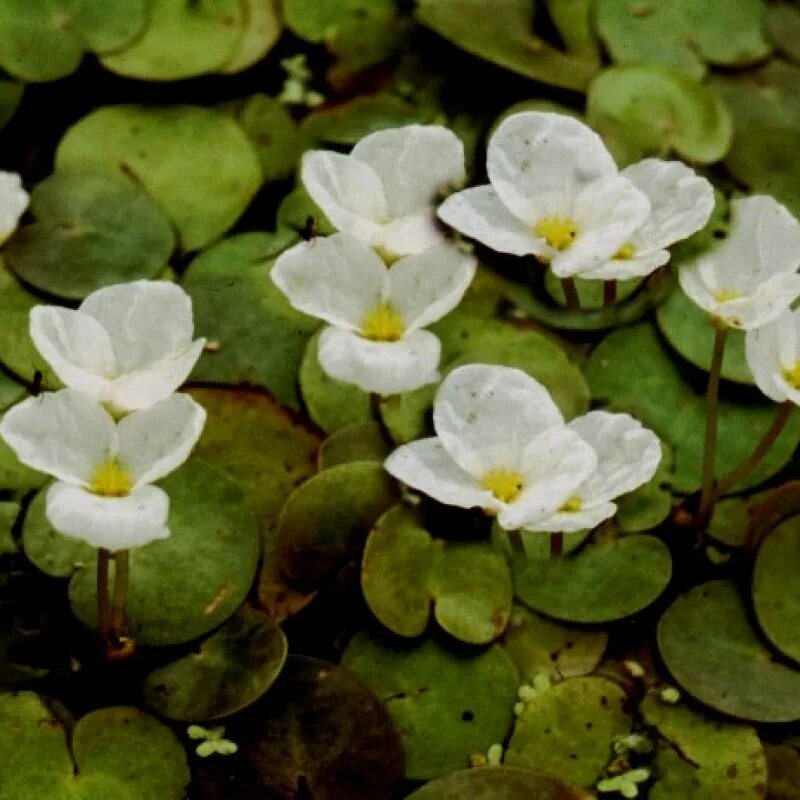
[385,191]
[128,346]
[773,355]
[500,444]
[104,469]
[751,277]
[555,193]
[627,457]
[681,203]
[13,202]
[375,313]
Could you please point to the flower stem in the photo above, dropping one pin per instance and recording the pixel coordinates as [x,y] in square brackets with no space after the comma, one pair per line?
[103,607]
[763,447]
[556,545]
[712,408]
[119,616]
[609,293]
[571,294]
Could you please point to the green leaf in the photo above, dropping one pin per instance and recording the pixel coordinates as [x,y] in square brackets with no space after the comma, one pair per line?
[711,650]
[782,24]
[363,441]
[262,29]
[447,706]
[196,163]
[783,769]
[91,230]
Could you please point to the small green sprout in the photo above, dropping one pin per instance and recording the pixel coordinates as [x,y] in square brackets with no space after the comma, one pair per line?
[632,743]
[214,741]
[670,695]
[295,90]
[494,756]
[625,784]
[633,668]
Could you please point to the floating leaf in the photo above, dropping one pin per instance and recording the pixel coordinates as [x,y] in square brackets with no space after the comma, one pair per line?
[568,729]
[783,770]
[10,97]
[703,758]
[113,752]
[631,371]
[230,671]
[326,520]
[91,230]
[363,441]
[258,337]
[196,163]
[181,587]
[711,650]
[447,706]
[782,24]
[590,293]
[652,111]
[585,586]
[9,511]
[405,571]
[262,28]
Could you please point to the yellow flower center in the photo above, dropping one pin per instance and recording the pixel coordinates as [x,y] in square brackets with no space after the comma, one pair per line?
[558,232]
[383,324]
[724,295]
[111,480]
[572,505]
[792,375]
[625,253]
[504,484]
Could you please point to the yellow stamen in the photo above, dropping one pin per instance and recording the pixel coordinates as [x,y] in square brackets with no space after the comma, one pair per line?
[626,252]
[558,232]
[111,480]
[504,484]
[792,375]
[383,324]
[572,505]
[724,295]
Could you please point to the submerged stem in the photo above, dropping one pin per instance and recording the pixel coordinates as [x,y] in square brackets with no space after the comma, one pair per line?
[571,294]
[609,293]
[556,544]
[121,583]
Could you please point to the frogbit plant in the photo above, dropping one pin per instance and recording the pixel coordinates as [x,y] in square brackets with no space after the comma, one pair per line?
[375,314]
[745,282]
[13,202]
[385,192]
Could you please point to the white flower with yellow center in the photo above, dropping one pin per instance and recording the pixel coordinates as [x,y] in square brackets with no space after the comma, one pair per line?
[500,444]
[628,455]
[773,355]
[375,313]
[13,202]
[104,468]
[555,192]
[127,346]
[385,192]
[751,277]
[681,203]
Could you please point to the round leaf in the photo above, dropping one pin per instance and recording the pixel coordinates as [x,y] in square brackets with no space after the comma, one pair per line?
[364,441]
[261,31]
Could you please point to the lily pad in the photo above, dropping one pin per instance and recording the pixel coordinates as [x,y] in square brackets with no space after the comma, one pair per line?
[711,650]
[183,40]
[499,783]
[653,111]
[502,33]
[447,706]
[405,572]
[262,29]
[196,163]
[590,293]
[539,646]
[703,758]
[783,770]
[326,520]
[230,671]
[569,728]
[585,586]
[631,370]
[323,729]
[363,441]
[91,230]
[10,97]
[214,538]
[266,449]
[113,752]
[782,24]
[774,593]
[9,511]
[257,337]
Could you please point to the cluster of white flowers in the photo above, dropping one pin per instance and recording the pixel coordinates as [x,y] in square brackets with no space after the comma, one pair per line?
[118,426]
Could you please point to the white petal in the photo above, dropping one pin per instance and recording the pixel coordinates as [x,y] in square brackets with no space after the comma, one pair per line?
[424,465]
[694,287]
[622,269]
[384,368]
[415,163]
[538,161]
[65,434]
[157,440]
[628,454]
[146,321]
[13,202]
[114,523]
[425,287]
[571,521]
[486,415]
[771,298]
[555,463]
[76,346]
[769,350]
[607,212]
[479,214]
[412,233]
[145,387]
[338,279]
[348,191]
[681,202]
